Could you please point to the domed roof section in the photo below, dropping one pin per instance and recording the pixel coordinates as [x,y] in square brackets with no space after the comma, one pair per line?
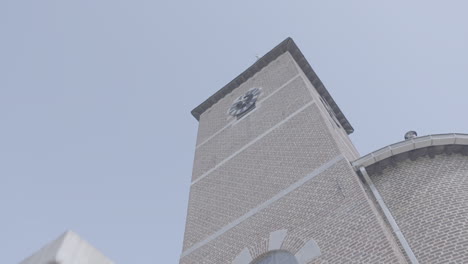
[415,147]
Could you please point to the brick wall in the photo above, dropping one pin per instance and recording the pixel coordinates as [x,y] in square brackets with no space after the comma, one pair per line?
[267,114]
[331,208]
[270,165]
[428,198]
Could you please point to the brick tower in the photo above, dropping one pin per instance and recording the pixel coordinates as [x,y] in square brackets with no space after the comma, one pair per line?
[272,174]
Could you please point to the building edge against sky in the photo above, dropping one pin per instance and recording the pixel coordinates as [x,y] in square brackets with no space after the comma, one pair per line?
[69,248]
[285,176]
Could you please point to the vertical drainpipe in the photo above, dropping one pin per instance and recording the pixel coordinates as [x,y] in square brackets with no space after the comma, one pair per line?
[389,217]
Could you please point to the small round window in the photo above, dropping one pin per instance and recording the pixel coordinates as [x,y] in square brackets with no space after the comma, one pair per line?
[276,257]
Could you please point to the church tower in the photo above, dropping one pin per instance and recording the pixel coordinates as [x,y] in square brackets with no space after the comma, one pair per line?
[272,180]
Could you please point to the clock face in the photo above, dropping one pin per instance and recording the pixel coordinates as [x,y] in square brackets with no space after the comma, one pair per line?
[245,102]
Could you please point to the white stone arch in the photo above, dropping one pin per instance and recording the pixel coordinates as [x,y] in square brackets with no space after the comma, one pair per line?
[308,251]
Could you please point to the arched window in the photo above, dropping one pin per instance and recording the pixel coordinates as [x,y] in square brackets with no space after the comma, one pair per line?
[276,257]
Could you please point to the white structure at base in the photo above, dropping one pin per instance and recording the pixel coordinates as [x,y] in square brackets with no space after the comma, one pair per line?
[69,248]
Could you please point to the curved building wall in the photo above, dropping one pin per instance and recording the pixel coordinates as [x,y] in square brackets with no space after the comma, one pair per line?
[428,197]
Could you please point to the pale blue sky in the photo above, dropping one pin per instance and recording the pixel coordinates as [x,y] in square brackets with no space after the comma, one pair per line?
[95,98]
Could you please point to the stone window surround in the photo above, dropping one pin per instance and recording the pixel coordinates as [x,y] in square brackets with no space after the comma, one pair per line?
[306,253]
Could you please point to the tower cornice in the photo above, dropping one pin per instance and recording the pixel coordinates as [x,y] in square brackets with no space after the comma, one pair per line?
[287,45]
